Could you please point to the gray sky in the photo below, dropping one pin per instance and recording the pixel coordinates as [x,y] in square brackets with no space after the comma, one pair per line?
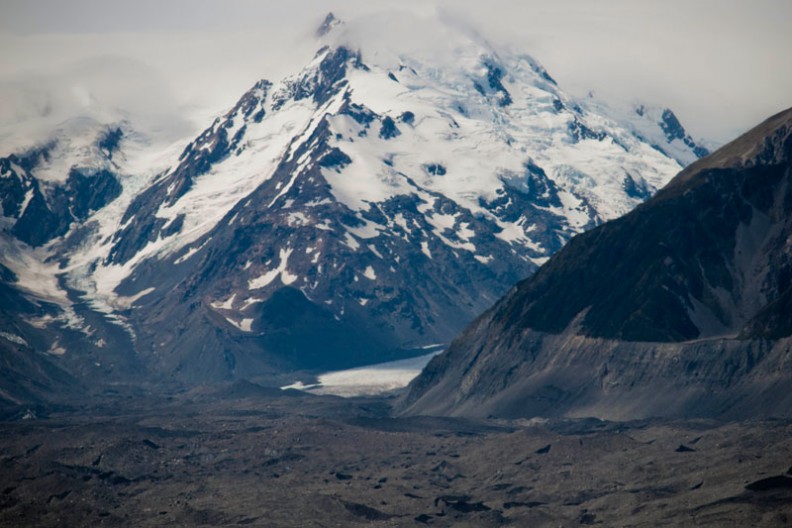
[722,65]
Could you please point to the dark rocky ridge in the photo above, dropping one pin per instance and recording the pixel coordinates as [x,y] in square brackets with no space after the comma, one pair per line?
[673,129]
[680,308]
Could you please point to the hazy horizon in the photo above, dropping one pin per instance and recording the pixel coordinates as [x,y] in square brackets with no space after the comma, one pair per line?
[720,66]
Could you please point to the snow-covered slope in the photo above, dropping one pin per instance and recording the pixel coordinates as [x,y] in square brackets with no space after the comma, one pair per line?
[369,205]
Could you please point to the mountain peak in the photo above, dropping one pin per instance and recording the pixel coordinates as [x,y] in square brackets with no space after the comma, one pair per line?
[674,131]
[328,24]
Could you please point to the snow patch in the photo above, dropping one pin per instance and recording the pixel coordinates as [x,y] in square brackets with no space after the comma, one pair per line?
[350,241]
[250,301]
[13,338]
[374,250]
[244,325]
[425,248]
[297,219]
[228,304]
[266,278]
[190,252]
[56,349]
[128,301]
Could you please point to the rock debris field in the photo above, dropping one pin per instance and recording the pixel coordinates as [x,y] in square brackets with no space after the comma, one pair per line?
[247,456]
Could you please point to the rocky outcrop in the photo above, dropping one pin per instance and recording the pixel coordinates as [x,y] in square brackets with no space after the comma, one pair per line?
[38,211]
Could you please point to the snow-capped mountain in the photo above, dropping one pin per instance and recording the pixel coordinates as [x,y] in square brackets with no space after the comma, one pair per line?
[365,207]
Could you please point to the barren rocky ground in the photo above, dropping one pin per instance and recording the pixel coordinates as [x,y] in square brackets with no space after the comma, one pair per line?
[247,456]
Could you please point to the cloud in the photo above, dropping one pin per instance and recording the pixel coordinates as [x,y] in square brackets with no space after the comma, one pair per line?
[720,64]
[105,88]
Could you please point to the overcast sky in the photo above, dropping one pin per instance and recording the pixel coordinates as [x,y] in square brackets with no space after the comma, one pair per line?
[722,65]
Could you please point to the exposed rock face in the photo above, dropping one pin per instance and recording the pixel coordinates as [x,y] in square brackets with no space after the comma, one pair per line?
[39,211]
[680,308]
[674,130]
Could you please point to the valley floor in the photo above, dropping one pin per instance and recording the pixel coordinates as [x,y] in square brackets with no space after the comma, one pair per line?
[245,456]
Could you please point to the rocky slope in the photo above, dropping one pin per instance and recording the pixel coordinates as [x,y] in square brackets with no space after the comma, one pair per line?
[680,308]
[365,207]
